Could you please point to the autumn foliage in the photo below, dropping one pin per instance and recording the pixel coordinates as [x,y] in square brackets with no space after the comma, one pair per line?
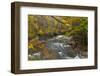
[41,28]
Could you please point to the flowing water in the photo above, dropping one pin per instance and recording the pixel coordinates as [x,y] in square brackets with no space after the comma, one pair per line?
[60,45]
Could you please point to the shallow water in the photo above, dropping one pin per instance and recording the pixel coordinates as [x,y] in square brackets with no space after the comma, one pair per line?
[60,46]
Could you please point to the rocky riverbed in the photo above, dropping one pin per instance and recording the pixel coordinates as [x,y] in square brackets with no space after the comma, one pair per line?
[57,48]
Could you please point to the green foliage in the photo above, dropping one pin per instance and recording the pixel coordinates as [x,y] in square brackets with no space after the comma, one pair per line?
[49,26]
[34,58]
[79,34]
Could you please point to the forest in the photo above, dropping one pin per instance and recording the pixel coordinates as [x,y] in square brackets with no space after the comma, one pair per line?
[57,37]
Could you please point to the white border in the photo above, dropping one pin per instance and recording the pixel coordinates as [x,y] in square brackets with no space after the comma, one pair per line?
[25,64]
